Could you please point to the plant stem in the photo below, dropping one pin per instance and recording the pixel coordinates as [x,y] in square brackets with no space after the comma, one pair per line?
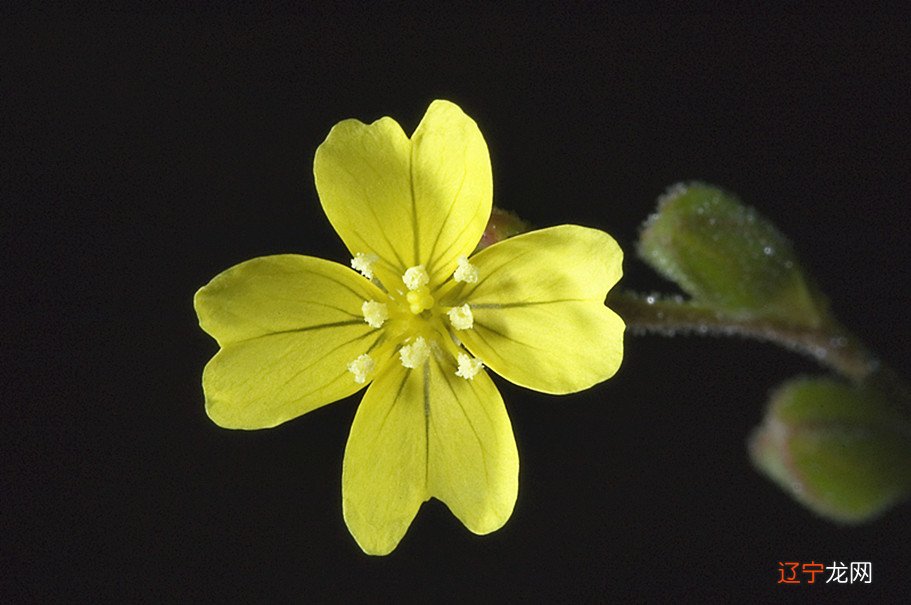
[830,344]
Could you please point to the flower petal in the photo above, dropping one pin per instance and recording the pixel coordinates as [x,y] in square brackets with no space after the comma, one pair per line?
[384,472]
[539,314]
[474,464]
[363,177]
[453,187]
[411,202]
[421,433]
[288,325]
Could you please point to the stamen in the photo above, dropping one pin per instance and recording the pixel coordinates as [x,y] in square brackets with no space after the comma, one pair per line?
[415,277]
[415,354]
[461,317]
[468,366]
[375,313]
[360,367]
[465,272]
[364,263]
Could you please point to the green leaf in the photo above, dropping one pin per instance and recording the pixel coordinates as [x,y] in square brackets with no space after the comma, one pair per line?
[727,257]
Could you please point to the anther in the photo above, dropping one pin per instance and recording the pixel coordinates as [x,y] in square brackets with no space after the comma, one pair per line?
[465,272]
[416,277]
[360,367]
[364,263]
[461,317]
[468,366]
[375,313]
[415,354]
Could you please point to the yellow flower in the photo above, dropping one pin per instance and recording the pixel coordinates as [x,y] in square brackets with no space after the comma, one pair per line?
[418,323]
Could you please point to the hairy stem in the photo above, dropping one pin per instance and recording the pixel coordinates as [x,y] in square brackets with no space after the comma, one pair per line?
[830,345]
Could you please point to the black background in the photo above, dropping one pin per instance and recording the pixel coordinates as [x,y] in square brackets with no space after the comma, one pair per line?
[148,152]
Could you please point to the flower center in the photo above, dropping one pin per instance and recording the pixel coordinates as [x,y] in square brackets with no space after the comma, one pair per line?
[415,325]
[420,300]
[418,297]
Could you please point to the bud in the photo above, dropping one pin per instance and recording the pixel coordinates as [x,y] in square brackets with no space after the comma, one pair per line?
[501,225]
[728,257]
[842,451]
